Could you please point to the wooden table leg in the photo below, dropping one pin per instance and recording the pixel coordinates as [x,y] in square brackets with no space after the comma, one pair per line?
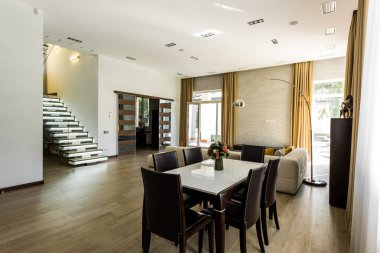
[220,225]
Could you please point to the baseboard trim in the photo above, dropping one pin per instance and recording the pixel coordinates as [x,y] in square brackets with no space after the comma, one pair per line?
[21,186]
[113,156]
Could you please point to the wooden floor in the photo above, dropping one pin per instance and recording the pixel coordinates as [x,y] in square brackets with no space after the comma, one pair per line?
[98,209]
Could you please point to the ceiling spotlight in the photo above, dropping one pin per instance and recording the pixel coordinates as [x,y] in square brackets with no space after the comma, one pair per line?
[170,44]
[194,58]
[74,39]
[255,22]
[179,74]
[206,34]
[294,22]
[130,58]
[74,58]
[328,7]
[181,50]
[330,31]
[274,41]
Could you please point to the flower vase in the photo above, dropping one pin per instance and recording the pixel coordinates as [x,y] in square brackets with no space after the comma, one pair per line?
[218,164]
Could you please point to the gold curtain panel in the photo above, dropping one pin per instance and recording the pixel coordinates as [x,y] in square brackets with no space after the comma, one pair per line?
[186,96]
[228,110]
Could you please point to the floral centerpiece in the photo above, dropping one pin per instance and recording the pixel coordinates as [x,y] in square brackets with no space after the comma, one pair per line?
[216,152]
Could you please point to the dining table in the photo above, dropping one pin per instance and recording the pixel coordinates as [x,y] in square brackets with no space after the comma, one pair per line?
[203,181]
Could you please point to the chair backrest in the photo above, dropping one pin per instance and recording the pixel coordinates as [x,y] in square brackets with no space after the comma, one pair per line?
[192,155]
[269,190]
[164,204]
[165,161]
[253,153]
[252,196]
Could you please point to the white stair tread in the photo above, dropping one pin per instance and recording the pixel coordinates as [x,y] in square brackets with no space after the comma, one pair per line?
[57,118]
[77,146]
[74,153]
[51,99]
[52,104]
[71,134]
[54,108]
[74,140]
[57,113]
[61,123]
[64,129]
[95,159]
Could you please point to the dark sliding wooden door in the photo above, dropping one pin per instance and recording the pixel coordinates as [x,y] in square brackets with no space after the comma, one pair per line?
[127,124]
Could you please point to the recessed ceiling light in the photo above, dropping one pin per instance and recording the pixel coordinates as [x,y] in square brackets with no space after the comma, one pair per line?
[194,58]
[130,58]
[330,31]
[229,8]
[206,34]
[255,22]
[328,7]
[330,46]
[179,74]
[294,22]
[274,41]
[181,50]
[170,44]
[74,39]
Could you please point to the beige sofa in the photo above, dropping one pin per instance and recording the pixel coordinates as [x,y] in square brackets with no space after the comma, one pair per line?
[291,173]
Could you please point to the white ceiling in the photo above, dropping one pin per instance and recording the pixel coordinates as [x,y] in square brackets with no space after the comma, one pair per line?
[141,28]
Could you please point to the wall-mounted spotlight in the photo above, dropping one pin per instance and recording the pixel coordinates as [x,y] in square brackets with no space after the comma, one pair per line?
[74,58]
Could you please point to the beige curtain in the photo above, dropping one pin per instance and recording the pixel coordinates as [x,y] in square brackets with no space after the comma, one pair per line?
[300,121]
[353,83]
[228,110]
[186,96]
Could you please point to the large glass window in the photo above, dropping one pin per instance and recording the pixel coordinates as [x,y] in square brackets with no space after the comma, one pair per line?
[327,100]
[204,118]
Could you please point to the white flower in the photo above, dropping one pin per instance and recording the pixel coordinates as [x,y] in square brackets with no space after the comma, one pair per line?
[214,151]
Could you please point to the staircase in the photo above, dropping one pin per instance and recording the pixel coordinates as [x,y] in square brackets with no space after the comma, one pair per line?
[65,137]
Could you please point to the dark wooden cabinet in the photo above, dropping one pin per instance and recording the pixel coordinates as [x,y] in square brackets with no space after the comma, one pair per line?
[340,152]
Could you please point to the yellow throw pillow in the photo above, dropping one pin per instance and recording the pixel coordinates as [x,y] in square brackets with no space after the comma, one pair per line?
[289,149]
[269,151]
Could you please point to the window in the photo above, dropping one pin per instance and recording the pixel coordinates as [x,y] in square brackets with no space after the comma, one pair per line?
[327,100]
[204,118]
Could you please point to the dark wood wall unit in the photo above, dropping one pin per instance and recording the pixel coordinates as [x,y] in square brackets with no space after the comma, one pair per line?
[165,119]
[340,152]
[127,124]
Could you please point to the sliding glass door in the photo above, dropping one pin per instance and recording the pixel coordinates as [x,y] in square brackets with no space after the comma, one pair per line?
[204,123]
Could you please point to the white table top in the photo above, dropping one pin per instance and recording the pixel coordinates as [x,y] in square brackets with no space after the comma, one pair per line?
[203,177]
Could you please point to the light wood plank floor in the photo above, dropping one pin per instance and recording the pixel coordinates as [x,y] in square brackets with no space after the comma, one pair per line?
[98,209]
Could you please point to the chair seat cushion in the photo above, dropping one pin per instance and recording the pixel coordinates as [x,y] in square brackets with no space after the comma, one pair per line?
[195,219]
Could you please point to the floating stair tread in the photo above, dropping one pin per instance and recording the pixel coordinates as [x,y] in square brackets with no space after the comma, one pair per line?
[60,129]
[51,99]
[53,108]
[65,140]
[67,123]
[75,146]
[74,153]
[64,134]
[66,113]
[95,159]
[58,104]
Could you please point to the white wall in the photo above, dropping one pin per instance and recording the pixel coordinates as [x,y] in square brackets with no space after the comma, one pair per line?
[330,69]
[21,94]
[122,76]
[76,84]
[265,120]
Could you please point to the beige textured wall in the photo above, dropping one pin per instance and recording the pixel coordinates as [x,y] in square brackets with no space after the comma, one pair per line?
[265,120]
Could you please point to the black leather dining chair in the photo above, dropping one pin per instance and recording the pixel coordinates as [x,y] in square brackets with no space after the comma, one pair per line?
[253,153]
[268,198]
[192,155]
[243,215]
[166,214]
[165,161]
